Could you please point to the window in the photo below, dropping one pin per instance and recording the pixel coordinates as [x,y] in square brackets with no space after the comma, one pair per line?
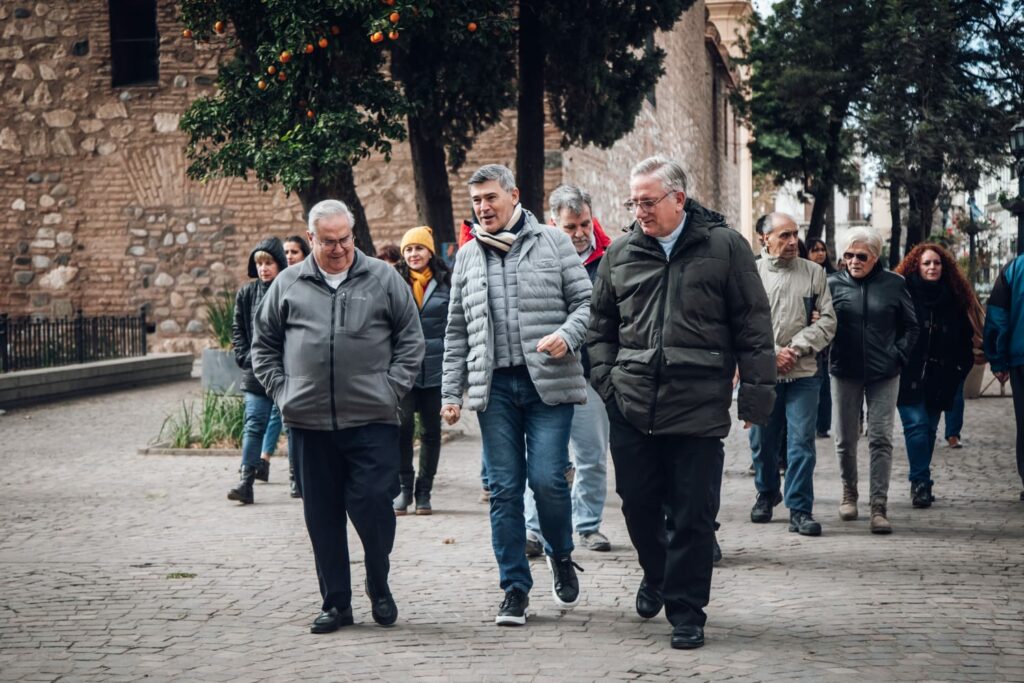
[134,43]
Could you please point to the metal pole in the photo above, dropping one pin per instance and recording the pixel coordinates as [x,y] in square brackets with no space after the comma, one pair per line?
[4,358]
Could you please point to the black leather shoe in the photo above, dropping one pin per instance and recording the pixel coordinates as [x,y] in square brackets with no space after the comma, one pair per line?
[263,470]
[716,552]
[648,601]
[385,611]
[331,620]
[804,524]
[687,637]
[761,513]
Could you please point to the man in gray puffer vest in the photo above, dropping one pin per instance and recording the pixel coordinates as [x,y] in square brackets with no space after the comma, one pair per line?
[520,300]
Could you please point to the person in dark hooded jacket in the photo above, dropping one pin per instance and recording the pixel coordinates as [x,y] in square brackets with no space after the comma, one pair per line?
[262,419]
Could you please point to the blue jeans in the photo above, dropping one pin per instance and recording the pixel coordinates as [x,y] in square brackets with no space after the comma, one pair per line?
[589,439]
[517,422]
[256,430]
[919,428]
[955,415]
[273,432]
[796,410]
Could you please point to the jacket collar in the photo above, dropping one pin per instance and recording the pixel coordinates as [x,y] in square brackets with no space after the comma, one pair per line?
[776,262]
[601,242]
[310,270]
[699,223]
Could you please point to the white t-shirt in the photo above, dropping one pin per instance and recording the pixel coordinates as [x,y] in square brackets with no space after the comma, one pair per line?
[335,280]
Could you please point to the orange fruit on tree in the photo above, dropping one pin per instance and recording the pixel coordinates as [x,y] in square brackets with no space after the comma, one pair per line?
[393,17]
[377,37]
[309,48]
[286,57]
[219,27]
[335,30]
[471,26]
[271,69]
[322,43]
[262,85]
[281,76]
[393,35]
[389,3]
[310,113]
[186,34]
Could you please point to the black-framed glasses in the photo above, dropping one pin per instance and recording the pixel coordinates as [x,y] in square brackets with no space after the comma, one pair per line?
[645,204]
[329,245]
[849,256]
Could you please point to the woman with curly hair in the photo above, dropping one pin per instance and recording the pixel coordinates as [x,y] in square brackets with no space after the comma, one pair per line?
[938,362]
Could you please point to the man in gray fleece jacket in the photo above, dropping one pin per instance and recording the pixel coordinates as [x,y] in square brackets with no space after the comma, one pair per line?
[520,301]
[337,345]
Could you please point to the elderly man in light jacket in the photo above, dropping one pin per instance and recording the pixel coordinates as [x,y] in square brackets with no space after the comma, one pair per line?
[520,302]
[804,323]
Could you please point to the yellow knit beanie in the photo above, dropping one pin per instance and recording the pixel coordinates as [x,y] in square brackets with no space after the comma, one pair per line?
[422,235]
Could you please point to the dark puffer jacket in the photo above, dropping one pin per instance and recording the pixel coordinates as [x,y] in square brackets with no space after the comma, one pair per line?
[944,352]
[247,302]
[666,334]
[877,325]
[433,320]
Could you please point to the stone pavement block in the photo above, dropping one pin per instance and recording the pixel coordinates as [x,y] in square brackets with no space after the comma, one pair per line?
[92,532]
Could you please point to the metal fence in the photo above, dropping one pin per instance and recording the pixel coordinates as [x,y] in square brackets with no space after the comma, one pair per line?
[27,343]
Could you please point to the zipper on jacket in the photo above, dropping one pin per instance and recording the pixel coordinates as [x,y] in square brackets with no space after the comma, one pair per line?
[508,314]
[659,356]
[334,309]
[864,332]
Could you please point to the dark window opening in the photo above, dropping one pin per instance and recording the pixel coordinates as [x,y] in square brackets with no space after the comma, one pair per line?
[134,43]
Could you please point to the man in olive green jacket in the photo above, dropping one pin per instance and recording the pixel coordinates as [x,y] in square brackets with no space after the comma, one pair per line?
[677,306]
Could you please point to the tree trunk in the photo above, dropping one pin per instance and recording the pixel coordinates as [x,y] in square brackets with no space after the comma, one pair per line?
[922,210]
[530,129]
[822,199]
[342,188]
[433,191]
[897,227]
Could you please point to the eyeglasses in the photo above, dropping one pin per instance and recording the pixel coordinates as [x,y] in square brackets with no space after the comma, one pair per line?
[849,256]
[645,204]
[329,245]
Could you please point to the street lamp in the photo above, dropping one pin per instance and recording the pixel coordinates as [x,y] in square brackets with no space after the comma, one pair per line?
[1017,150]
[945,202]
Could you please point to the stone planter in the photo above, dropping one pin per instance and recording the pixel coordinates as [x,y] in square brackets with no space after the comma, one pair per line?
[972,385]
[220,372]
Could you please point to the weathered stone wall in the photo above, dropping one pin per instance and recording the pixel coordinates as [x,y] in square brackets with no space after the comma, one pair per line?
[96,211]
[679,125]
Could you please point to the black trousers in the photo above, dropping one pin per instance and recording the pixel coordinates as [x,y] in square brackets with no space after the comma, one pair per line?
[351,472]
[1017,386]
[427,402]
[679,477]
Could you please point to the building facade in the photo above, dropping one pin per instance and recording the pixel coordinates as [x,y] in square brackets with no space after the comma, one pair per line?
[97,213]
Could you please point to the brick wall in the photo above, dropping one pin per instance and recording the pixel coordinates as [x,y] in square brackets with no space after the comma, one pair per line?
[96,211]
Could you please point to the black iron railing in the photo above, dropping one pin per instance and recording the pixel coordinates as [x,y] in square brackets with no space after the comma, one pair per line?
[27,343]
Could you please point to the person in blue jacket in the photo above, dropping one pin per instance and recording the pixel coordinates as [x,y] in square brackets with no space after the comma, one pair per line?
[1004,342]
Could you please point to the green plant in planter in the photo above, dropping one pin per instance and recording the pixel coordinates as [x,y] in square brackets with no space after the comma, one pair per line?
[220,418]
[220,316]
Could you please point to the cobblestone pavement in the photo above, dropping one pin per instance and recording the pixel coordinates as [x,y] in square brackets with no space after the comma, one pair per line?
[118,566]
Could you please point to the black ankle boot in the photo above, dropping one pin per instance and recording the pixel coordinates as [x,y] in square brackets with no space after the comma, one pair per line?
[243,492]
[422,494]
[263,470]
[295,492]
[921,494]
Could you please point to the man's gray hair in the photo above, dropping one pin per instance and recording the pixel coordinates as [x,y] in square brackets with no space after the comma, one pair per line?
[670,173]
[568,197]
[494,172]
[782,218]
[326,209]
[869,237]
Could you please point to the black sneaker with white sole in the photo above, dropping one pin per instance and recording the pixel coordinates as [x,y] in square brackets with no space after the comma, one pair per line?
[514,609]
[565,587]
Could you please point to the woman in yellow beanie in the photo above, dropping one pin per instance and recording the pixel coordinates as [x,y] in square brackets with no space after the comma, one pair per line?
[430,281]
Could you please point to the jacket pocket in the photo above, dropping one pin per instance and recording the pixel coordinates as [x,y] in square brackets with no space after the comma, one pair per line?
[689,362]
[300,398]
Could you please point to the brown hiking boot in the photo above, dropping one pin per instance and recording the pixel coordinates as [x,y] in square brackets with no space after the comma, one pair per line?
[879,522]
[848,508]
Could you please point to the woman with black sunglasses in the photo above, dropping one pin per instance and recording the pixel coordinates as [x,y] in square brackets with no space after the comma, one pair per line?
[876,330]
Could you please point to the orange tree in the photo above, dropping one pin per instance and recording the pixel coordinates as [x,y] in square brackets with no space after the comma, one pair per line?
[306,93]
